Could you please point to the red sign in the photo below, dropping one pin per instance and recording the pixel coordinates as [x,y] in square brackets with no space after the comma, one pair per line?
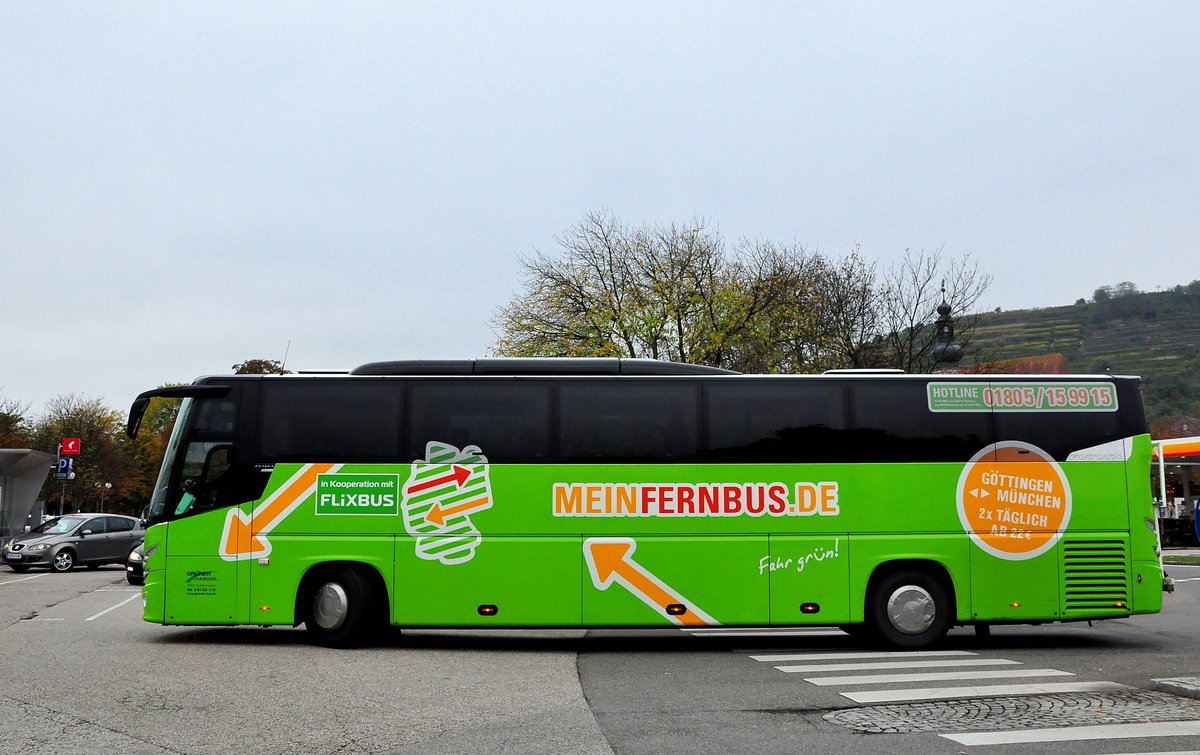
[70,446]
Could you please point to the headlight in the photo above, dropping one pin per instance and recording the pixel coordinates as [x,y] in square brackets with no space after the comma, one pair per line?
[39,547]
[5,546]
[135,556]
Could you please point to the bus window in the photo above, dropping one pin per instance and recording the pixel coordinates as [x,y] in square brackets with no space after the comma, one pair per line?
[216,415]
[1059,433]
[330,420]
[892,422]
[509,421]
[775,420]
[641,421]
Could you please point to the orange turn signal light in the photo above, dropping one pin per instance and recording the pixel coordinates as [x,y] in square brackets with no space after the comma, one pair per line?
[487,609]
[676,609]
[810,608]
[1014,605]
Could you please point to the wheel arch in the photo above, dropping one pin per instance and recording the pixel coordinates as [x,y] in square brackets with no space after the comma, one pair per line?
[934,568]
[319,571]
[67,547]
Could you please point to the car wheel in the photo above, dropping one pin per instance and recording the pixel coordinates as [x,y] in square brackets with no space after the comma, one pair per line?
[19,568]
[63,561]
[136,581]
[340,609]
[910,610]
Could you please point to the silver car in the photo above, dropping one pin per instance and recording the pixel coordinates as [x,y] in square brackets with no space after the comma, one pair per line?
[90,540]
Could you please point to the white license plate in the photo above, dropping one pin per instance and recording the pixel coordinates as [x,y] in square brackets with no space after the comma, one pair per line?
[12,556]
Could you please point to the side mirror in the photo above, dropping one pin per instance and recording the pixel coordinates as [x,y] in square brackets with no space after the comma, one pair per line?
[84,533]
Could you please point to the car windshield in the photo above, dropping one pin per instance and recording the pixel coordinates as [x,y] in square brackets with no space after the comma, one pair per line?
[57,525]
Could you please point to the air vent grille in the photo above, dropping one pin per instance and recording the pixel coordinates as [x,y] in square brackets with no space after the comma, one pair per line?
[1096,577]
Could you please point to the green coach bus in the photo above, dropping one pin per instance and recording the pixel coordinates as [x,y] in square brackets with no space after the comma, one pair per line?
[640,493]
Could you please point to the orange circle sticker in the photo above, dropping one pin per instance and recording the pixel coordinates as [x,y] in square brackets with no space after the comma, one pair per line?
[1014,500]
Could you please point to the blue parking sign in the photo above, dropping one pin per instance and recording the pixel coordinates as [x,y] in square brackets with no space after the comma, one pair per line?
[63,470]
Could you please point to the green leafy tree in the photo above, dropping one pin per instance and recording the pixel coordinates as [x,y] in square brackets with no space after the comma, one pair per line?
[14,424]
[100,459]
[660,292]
[260,367]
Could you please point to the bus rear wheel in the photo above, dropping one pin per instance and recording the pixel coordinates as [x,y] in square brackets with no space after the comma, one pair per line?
[910,610]
[340,607]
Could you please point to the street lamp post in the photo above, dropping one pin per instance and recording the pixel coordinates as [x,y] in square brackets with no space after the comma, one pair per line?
[104,488]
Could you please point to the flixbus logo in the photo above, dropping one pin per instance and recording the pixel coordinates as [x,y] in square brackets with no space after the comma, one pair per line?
[358,494]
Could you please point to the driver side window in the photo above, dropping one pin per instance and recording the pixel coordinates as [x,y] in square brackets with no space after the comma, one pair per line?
[94,526]
[212,477]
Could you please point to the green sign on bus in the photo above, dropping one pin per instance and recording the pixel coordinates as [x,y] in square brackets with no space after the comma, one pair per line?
[358,494]
[1022,397]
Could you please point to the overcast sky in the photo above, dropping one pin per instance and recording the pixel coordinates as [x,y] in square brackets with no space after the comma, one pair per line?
[186,186]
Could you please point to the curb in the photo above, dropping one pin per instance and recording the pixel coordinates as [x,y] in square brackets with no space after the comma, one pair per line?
[1186,686]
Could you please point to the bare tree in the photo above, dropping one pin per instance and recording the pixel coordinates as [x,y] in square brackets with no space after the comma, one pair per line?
[911,292]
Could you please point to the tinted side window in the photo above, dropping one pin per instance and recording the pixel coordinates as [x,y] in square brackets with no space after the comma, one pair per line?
[508,420]
[775,420]
[96,526]
[628,420]
[892,422]
[1059,433]
[330,420]
[217,415]
[117,524]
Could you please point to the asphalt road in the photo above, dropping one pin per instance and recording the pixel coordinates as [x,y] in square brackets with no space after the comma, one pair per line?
[85,674]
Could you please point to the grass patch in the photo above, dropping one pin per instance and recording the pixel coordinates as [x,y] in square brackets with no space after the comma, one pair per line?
[1182,560]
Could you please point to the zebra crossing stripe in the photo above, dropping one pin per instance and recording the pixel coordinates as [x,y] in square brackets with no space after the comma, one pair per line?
[996,690]
[1076,733]
[936,676]
[780,658]
[897,665]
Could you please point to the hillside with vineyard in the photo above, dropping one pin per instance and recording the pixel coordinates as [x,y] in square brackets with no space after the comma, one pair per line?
[1121,331]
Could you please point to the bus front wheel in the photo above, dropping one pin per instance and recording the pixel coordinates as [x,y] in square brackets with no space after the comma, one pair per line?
[339,609]
[910,609]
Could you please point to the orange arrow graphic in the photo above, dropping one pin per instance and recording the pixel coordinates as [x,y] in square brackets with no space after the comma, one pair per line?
[609,560]
[245,535]
[438,515]
[458,477]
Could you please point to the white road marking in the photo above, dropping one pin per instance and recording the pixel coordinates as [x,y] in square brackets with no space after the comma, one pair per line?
[994,690]
[1075,733]
[41,619]
[106,610]
[937,676]
[22,579]
[1189,579]
[1161,752]
[850,656]
[898,665]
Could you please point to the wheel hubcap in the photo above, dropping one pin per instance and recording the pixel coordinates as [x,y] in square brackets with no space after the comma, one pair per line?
[330,606]
[62,561]
[911,609]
